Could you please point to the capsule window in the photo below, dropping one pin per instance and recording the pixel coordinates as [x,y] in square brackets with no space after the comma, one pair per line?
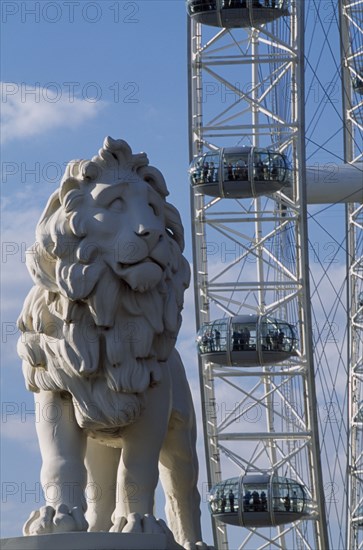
[243,337]
[277,336]
[277,167]
[224,498]
[213,337]
[197,6]
[287,496]
[261,167]
[235,167]
[255,498]
[359,415]
[205,169]
[358,83]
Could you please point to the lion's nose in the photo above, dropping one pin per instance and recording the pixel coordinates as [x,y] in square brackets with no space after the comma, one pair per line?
[149,234]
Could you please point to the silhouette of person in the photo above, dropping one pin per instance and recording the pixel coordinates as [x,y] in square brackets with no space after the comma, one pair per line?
[217,338]
[205,172]
[205,343]
[210,340]
[274,172]
[231,500]
[211,172]
[239,171]
[268,342]
[235,340]
[242,339]
[244,171]
[256,501]
[246,501]
[197,174]
[259,170]
[223,503]
[280,340]
[263,501]
[275,338]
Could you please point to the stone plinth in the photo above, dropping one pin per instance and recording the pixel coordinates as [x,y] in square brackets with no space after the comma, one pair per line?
[87,541]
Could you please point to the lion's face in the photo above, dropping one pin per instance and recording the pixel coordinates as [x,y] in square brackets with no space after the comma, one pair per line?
[126,226]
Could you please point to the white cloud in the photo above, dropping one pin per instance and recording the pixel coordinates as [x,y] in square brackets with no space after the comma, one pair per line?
[28,111]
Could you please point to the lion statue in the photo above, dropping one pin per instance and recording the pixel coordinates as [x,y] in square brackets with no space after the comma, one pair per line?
[98,348]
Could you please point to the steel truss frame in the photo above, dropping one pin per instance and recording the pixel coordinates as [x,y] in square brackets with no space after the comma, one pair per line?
[351,23]
[256,418]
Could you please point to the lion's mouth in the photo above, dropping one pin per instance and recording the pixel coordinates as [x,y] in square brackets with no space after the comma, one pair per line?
[121,267]
[142,276]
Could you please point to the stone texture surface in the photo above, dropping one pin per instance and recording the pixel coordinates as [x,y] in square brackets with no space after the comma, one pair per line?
[87,541]
[98,348]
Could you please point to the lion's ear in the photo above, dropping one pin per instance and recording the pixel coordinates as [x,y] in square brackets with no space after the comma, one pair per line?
[174,225]
[67,185]
[154,177]
[71,197]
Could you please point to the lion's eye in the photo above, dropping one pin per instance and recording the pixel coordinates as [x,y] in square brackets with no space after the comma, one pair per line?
[117,205]
[154,208]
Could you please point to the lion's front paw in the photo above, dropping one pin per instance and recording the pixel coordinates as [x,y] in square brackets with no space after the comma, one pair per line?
[148,524]
[49,520]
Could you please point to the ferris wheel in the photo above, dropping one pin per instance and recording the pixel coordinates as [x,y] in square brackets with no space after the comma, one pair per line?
[262,366]
[351,18]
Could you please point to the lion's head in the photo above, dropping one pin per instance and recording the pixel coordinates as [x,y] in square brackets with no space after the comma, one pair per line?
[109,282]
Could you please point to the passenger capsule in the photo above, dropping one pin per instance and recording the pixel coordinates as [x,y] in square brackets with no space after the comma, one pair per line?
[360,299]
[240,172]
[358,83]
[359,416]
[259,500]
[236,13]
[247,340]
[358,516]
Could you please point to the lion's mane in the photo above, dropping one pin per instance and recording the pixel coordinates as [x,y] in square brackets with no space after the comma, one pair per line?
[86,332]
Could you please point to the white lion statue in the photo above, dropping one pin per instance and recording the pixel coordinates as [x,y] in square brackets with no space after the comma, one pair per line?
[98,348]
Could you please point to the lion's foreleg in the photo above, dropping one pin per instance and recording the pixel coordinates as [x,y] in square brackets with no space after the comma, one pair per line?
[62,445]
[179,476]
[179,462]
[138,471]
[102,463]
[63,474]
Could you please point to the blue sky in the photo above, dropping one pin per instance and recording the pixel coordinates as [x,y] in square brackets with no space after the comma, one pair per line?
[71,76]
[73,73]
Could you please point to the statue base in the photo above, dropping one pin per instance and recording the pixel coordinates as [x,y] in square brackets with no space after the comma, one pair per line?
[87,541]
